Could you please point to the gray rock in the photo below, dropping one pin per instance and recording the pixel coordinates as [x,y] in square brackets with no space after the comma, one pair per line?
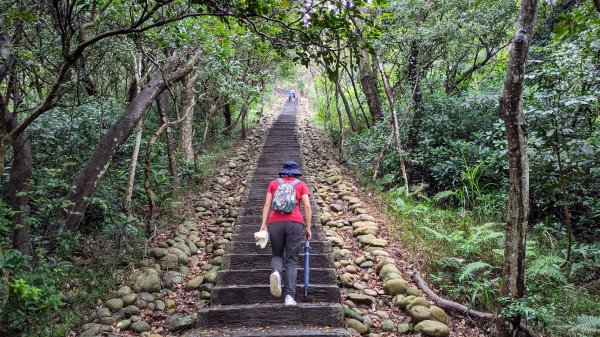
[169,262]
[439,314]
[141,304]
[129,299]
[419,313]
[211,276]
[403,328]
[157,253]
[114,304]
[367,239]
[382,314]
[336,207]
[387,269]
[183,247]
[140,326]
[194,283]
[432,329]
[365,230]
[148,281]
[366,264]
[124,290]
[360,298]
[388,325]
[131,310]
[147,297]
[358,326]
[160,305]
[413,291]
[395,287]
[178,322]
[124,324]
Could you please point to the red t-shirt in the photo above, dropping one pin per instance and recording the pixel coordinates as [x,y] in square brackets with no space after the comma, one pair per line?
[301,189]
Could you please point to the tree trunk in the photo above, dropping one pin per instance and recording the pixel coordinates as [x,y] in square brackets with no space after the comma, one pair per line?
[565,198]
[227,115]
[368,82]
[99,161]
[340,92]
[340,122]
[161,103]
[387,145]
[511,110]
[186,129]
[132,167]
[415,81]
[395,126]
[22,167]
[350,73]
[20,176]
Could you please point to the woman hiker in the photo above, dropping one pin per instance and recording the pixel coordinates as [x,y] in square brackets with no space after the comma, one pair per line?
[281,217]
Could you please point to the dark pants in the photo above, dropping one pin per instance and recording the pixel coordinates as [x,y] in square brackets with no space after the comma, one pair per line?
[286,240]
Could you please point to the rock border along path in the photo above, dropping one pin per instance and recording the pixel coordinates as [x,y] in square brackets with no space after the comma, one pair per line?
[162,297]
[378,299]
[241,303]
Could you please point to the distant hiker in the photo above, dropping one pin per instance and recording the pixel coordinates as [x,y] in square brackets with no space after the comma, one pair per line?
[290,96]
[281,217]
[293,95]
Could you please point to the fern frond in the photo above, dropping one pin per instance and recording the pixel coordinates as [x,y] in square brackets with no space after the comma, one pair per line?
[546,266]
[444,195]
[586,325]
[435,234]
[471,268]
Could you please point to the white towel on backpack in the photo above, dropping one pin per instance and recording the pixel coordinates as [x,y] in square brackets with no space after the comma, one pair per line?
[261,237]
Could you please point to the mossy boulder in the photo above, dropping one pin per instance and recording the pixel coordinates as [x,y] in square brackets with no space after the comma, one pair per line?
[439,314]
[432,329]
[358,326]
[387,269]
[148,281]
[395,286]
[419,313]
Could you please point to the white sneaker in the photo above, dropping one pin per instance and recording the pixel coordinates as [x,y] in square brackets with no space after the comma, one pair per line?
[275,281]
[289,300]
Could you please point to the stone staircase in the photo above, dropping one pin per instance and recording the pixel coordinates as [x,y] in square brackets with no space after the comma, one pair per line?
[241,303]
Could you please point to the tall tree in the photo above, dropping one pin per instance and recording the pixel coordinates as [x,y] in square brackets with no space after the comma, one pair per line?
[511,110]
[186,130]
[368,82]
[90,175]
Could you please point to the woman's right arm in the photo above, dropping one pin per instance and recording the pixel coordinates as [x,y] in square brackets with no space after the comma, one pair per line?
[265,212]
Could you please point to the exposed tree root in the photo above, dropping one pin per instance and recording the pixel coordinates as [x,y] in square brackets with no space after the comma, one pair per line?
[462,309]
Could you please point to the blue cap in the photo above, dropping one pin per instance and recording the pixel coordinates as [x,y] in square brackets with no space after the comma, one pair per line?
[290,167]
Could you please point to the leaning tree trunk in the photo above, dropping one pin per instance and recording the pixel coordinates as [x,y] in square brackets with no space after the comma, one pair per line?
[161,103]
[395,124]
[99,161]
[186,129]
[368,82]
[511,110]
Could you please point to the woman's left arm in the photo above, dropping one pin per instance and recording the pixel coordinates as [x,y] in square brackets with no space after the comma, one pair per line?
[265,212]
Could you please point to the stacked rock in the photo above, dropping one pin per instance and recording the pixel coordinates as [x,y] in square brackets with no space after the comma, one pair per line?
[365,265]
[188,261]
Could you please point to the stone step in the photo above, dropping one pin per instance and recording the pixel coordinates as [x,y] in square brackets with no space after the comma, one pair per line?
[272,314]
[263,261]
[250,247]
[261,293]
[258,276]
[254,220]
[317,235]
[251,229]
[268,332]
